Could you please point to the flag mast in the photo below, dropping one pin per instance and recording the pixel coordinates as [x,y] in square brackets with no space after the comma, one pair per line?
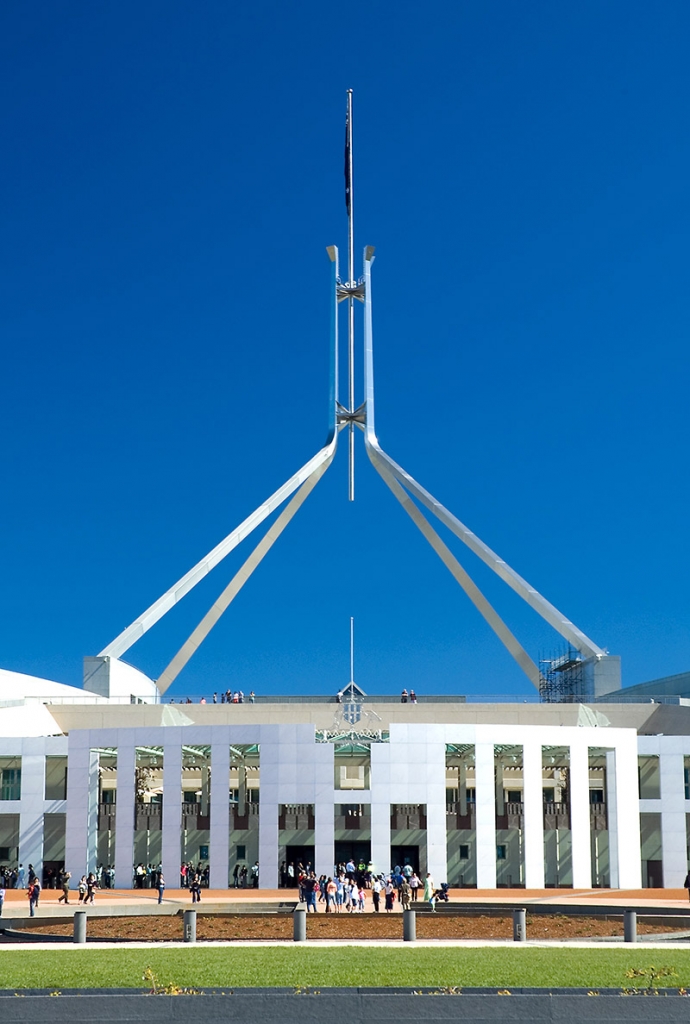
[349,197]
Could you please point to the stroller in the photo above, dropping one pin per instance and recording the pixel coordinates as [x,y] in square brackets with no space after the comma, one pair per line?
[442,893]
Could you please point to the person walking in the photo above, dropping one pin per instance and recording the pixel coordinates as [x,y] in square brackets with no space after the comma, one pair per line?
[429,891]
[66,875]
[255,875]
[20,877]
[376,889]
[90,888]
[390,895]
[686,883]
[2,893]
[414,885]
[405,894]
[34,892]
[161,886]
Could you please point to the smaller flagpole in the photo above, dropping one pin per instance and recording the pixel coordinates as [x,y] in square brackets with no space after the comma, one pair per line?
[352,649]
[349,198]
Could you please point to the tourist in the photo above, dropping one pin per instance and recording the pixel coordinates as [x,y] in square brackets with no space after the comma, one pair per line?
[2,895]
[255,875]
[66,875]
[390,895]
[414,883]
[413,697]
[20,877]
[215,698]
[376,890]
[161,886]
[403,697]
[195,889]
[81,889]
[339,895]
[429,891]
[310,888]
[33,893]
[405,894]
[331,890]
[252,697]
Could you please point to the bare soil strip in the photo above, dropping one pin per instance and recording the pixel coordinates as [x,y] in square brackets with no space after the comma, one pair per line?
[349,926]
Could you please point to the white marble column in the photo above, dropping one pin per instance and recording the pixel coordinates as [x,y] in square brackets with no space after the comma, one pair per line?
[76,823]
[435,799]
[485,815]
[381,807]
[612,816]
[533,807]
[324,837]
[628,816]
[220,814]
[124,815]
[579,816]
[172,811]
[31,814]
[92,814]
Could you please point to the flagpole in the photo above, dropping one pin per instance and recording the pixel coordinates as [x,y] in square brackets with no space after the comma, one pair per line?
[351,301]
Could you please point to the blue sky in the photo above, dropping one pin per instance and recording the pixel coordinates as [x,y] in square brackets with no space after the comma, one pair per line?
[171,176]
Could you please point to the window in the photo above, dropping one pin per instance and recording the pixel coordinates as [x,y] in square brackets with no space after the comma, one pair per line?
[10,778]
[4,854]
[500,853]
[686,776]
[241,852]
[464,851]
[56,778]
[649,778]
[352,766]
[596,796]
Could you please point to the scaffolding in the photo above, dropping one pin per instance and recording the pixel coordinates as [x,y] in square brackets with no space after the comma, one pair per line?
[562,678]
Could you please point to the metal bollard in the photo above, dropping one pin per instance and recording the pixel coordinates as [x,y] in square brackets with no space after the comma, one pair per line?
[299,923]
[519,925]
[630,926]
[189,926]
[409,926]
[79,925]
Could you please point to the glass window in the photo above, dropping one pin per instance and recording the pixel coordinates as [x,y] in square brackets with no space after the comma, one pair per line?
[500,853]
[10,778]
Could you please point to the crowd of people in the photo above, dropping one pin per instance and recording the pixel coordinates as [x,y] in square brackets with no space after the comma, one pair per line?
[228,697]
[351,884]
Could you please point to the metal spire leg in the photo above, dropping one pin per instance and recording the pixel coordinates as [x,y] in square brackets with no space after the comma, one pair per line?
[170,598]
[548,612]
[239,579]
[450,561]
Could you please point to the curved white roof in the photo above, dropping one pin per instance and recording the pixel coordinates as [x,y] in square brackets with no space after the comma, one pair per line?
[17,686]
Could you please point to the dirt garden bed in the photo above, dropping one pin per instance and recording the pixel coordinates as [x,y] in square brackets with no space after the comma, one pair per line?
[349,926]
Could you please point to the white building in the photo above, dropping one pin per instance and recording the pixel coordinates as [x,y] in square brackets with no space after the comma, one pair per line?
[481,795]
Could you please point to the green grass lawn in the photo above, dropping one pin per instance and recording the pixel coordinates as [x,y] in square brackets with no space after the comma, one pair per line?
[342,966]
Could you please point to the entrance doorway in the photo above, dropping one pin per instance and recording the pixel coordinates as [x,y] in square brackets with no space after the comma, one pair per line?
[402,855]
[655,874]
[358,852]
[297,855]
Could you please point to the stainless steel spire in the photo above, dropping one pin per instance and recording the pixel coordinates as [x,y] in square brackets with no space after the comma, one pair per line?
[408,492]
